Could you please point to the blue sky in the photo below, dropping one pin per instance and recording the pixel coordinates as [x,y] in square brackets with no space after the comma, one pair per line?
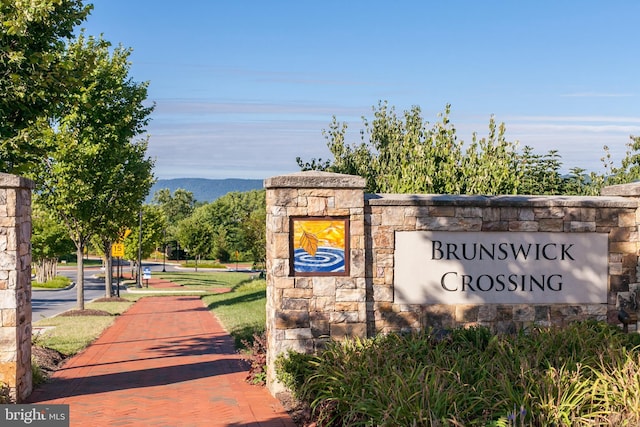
[242,88]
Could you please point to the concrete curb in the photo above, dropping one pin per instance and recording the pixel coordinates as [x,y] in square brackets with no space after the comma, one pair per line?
[71,286]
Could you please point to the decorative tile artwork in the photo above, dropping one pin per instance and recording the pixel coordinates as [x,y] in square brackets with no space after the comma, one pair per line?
[319,246]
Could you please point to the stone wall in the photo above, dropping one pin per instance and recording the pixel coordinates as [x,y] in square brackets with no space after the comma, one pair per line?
[387,214]
[303,311]
[15,285]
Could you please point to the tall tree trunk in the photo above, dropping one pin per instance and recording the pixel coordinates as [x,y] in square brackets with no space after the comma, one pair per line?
[41,273]
[108,269]
[46,269]
[132,265]
[108,274]
[80,274]
[52,269]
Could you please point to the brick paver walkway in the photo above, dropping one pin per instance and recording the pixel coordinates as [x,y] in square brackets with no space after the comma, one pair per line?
[165,362]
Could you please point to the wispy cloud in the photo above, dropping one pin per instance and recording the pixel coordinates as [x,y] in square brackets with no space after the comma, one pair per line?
[238,149]
[588,119]
[320,82]
[582,125]
[221,139]
[597,95]
[199,106]
[578,128]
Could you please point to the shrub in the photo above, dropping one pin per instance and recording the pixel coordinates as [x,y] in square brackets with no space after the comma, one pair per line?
[57,282]
[256,354]
[587,373]
[5,394]
[38,376]
[293,368]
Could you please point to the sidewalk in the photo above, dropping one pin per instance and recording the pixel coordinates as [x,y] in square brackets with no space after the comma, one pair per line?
[165,362]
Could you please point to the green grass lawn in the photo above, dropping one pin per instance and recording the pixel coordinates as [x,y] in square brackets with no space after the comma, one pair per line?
[203,280]
[90,262]
[72,334]
[241,311]
[58,282]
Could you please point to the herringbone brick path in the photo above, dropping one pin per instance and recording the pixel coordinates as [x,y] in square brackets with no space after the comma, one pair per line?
[167,362]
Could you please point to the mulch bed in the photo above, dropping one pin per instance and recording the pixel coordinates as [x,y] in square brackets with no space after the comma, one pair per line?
[48,359]
[92,312]
[85,312]
[299,412]
[112,299]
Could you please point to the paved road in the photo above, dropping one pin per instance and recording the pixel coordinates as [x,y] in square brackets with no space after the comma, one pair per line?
[49,303]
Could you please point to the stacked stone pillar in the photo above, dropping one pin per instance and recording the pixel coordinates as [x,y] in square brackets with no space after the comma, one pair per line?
[626,293]
[303,313]
[15,285]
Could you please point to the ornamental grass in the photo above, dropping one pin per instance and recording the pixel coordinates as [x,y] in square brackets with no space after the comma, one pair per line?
[585,374]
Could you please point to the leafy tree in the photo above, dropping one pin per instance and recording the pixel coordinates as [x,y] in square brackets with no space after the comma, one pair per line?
[629,169]
[196,234]
[540,174]
[97,176]
[579,182]
[221,247]
[228,216]
[254,236]
[490,165]
[35,73]
[49,241]
[407,155]
[176,207]
[153,226]
[236,221]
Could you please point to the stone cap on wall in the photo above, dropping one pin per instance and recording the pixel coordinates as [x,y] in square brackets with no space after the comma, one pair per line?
[13,181]
[497,201]
[630,190]
[315,179]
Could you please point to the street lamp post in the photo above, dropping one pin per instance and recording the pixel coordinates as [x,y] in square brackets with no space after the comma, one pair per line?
[164,249]
[139,278]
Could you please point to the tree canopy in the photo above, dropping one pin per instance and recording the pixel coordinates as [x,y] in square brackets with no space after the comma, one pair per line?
[231,217]
[49,241]
[196,234]
[233,223]
[96,174]
[35,73]
[406,154]
[176,206]
[153,225]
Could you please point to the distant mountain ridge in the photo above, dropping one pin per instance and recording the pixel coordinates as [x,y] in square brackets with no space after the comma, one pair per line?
[204,189]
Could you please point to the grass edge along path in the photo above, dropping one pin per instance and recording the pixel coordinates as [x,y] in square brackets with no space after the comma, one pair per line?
[241,311]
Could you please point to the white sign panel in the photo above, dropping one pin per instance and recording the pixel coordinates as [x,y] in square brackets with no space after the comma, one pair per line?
[437,267]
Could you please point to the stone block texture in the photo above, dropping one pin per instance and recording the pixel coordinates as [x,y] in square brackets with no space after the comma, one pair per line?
[303,313]
[15,285]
